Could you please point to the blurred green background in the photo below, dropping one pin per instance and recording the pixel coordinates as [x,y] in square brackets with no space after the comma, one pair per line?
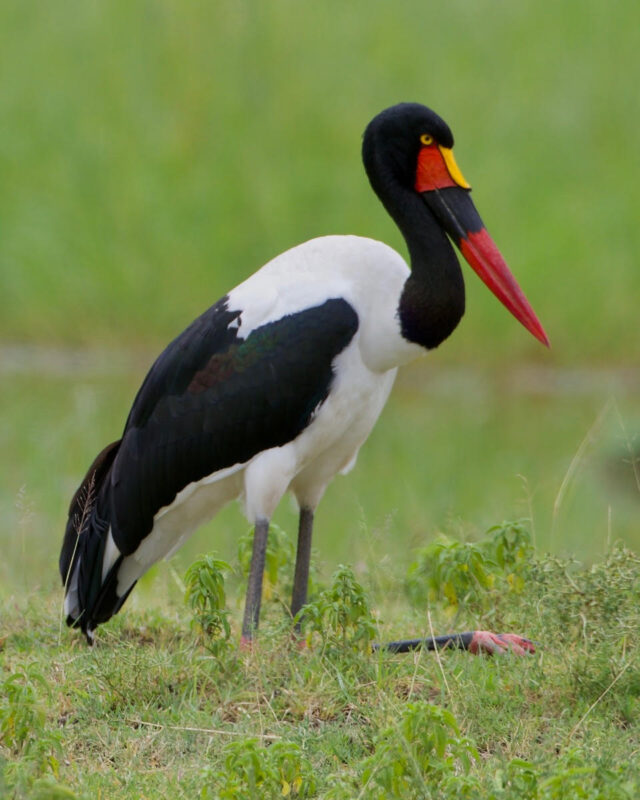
[154,154]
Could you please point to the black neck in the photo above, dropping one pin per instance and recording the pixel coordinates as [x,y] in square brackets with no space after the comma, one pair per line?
[433,298]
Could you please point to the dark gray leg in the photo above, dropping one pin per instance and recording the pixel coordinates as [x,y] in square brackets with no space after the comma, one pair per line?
[254,587]
[303,559]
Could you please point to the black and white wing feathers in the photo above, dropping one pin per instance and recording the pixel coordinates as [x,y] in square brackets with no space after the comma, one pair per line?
[214,399]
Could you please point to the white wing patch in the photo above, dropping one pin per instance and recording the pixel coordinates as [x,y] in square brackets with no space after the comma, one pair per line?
[111,555]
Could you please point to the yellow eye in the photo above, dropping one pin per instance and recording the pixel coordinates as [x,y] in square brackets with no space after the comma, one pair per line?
[426,139]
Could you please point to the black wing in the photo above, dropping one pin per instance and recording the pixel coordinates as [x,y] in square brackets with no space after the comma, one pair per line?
[214,399]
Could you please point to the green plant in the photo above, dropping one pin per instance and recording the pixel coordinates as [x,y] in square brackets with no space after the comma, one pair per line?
[280,770]
[340,615]
[294,770]
[49,789]
[415,756]
[594,612]
[22,714]
[23,728]
[205,594]
[572,775]
[509,545]
[467,572]
[457,572]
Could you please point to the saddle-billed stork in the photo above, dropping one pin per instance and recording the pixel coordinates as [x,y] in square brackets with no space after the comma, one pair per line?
[276,386]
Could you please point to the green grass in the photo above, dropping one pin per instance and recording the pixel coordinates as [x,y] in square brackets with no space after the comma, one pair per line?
[151,710]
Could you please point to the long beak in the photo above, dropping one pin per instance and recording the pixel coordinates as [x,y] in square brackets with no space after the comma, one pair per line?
[456,213]
[445,191]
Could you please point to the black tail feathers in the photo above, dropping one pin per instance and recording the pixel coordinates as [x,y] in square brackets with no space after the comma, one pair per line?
[88,599]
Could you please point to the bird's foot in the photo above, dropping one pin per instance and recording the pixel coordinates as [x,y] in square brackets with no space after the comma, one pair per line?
[299,641]
[499,643]
[247,644]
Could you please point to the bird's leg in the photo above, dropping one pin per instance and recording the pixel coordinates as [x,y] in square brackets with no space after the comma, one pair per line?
[303,559]
[254,587]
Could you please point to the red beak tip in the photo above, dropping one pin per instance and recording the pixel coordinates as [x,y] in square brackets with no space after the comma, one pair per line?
[542,337]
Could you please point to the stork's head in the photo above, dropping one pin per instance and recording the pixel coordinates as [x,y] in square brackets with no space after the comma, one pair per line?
[408,151]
